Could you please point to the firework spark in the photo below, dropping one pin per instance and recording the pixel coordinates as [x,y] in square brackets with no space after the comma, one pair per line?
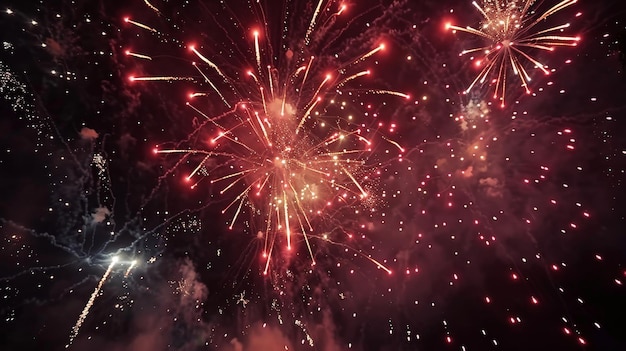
[512,31]
[285,149]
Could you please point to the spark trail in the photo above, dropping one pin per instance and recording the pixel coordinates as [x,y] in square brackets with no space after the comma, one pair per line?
[92,298]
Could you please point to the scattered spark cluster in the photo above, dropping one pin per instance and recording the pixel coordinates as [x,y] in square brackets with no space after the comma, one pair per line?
[307,162]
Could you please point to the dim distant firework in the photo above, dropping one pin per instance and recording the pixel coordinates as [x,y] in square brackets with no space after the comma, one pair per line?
[284,145]
[512,29]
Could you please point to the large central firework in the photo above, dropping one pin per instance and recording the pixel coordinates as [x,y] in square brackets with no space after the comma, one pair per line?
[284,148]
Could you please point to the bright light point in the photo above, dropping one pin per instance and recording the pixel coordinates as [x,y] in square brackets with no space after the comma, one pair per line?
[255,33]
[155,151]
[126,19]
[381,46]
[114,259]
[192,47]
[127,52]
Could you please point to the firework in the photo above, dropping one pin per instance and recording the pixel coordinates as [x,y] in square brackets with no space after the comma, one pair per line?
[284,148]
[92,298]
[512,31]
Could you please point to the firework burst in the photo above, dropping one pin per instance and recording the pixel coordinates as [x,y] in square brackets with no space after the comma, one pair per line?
[283,148]
[512,30]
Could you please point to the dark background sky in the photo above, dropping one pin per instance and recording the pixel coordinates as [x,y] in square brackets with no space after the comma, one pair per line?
[520,249]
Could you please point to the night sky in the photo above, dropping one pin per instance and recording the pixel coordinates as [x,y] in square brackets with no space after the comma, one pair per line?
[441,221]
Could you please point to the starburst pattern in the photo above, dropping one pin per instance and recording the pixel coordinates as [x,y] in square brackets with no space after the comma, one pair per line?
[286,148]
[512,30]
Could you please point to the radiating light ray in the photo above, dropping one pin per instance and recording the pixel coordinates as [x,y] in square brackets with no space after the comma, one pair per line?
[325,237]
[160,78]
[307,38]
[368,54]
[354,76]
[394,143]
[257,51]
[140,25]
[391,92]
[130,267]
[137,55]
[152,7]
[208,62]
